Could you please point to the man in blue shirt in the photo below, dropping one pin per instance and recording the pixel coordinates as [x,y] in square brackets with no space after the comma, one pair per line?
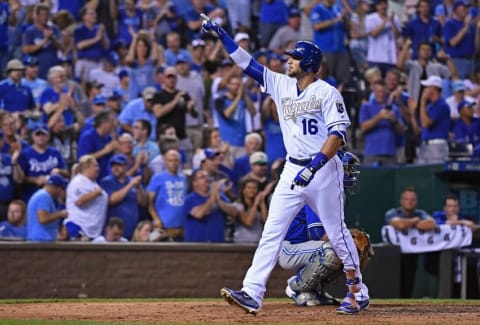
[231,110]
[166,197]
[435,123]
[460,36]
[205,211]
[43,212]
[39,161]
[10,174]
[466,129]
[381,124]
[98,141]
[140,108]
[403,218]
[15,225]
[423,28]
[15,97]
[125,194]
[329,34]
[31,80]
[42,39]
[450,215]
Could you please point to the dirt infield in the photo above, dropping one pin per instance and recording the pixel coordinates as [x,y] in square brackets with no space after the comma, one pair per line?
[219,312]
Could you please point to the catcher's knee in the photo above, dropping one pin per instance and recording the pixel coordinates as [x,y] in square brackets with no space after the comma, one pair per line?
[321,267]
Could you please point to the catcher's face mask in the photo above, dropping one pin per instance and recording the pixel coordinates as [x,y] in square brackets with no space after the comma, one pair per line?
[350,178]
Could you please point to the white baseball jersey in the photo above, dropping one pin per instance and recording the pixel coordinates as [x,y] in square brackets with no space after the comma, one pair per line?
[305,117]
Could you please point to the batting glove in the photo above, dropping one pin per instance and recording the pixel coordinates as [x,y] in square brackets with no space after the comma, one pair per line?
[306,174]
[213,28]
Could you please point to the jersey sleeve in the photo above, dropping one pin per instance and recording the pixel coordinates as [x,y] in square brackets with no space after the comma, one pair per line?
[334,110]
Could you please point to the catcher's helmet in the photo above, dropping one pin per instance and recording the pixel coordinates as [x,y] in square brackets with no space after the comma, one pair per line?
[309,54]
[350,176]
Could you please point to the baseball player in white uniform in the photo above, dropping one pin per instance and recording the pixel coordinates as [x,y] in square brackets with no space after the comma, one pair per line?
[313,121]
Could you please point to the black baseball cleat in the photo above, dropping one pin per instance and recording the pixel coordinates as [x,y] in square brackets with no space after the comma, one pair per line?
[240,299]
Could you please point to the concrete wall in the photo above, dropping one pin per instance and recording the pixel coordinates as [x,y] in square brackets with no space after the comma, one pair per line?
[132,270]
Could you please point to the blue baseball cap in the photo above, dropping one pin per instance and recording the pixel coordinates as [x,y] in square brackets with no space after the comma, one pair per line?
[459,3]
[183,58]
[118,159]
[210,153]
[99,100]
[30,60]
[464,103]
[57,180]
[458,85]
[293,11]
[123,73]
[275,56]
[115,95]
[40,127]
[112,57]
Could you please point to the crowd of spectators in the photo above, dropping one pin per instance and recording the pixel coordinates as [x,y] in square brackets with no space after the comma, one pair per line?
[121,121]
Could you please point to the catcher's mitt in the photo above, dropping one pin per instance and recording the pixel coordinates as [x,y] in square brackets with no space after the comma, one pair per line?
[364,247]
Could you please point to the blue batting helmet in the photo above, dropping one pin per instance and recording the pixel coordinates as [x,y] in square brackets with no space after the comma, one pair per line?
[350,176]
[309,54]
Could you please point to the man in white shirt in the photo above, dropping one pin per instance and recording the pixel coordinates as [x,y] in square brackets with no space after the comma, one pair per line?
[87,202]
[382,32]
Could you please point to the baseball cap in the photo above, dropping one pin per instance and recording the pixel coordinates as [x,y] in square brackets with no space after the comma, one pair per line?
[294,12]
[464,103]
[118,159]
[14,64]
[258,157]
[240,37]
[148,93]
[30,60]
[210,153]
[57,180]
[112,57]
[123,73]
[198,42]
[114,95]
[259,53]
[183,58]
[459,3]
[99,100]
[120,42]
[458,85]
[434,81]
[275,56]
[40,128]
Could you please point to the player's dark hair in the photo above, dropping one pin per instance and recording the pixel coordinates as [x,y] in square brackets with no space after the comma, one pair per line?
[424,43]
[102,117]
[241,186]
[115,222]
[146,125]
[450,197]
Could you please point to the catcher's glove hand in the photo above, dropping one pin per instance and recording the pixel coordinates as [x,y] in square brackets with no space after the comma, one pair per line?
[364,247]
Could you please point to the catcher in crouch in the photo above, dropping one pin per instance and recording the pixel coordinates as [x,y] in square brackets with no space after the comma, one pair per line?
[307,251]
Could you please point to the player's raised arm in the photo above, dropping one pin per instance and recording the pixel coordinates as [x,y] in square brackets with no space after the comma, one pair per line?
[241,57]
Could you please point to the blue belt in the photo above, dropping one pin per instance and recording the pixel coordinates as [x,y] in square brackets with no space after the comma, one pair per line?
[301,162]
